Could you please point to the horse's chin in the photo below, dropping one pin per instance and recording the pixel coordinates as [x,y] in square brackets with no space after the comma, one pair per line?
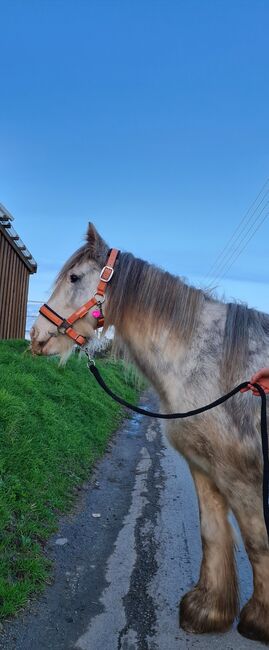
[61,347]
[64,356]
[53,347]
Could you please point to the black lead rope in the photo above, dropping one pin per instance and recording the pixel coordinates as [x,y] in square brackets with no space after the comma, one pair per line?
[202,409]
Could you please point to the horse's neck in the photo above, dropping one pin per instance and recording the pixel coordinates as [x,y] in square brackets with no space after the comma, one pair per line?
[164,356]
[156,354]
[158,333]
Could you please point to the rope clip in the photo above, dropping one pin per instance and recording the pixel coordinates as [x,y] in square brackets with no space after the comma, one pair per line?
[91,361]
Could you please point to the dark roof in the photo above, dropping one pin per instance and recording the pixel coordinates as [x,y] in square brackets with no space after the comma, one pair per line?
[15,241]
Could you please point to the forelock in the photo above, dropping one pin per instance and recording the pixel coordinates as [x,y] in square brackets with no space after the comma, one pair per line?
[80,256]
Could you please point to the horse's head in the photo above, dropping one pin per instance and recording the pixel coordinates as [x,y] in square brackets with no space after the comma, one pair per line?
[75,284]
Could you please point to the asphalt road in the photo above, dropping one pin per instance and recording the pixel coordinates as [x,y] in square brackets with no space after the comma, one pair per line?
[119,575]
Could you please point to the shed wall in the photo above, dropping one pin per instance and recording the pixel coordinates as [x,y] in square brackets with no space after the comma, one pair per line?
[14,282]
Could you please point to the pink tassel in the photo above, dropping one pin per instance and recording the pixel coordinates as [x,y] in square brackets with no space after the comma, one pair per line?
[96,313]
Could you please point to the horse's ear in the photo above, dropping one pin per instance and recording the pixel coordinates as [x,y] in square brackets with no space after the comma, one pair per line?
[98,248]
[92,237]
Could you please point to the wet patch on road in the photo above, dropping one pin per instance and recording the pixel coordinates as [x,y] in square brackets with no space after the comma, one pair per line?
[139,605]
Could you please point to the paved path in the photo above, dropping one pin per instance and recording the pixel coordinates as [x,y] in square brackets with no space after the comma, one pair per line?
[119,576]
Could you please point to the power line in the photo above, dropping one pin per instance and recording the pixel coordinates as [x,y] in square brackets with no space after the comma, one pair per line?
[221,268]
[241,235]
[222,252]
[238,231]
[241,249]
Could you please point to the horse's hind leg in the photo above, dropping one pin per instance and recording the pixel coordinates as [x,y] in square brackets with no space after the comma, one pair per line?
[247,506]
[213,604]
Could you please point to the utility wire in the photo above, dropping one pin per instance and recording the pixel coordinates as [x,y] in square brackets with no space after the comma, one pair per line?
[242,249]
[222,268]
[213,283]
[241,236]
[219,261]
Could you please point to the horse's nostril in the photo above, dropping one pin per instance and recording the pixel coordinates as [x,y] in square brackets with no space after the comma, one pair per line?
[38,346]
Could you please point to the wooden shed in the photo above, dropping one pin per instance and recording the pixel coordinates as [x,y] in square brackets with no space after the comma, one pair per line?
[16,264]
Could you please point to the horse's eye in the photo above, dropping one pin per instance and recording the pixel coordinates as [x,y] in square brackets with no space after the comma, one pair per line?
[74,277]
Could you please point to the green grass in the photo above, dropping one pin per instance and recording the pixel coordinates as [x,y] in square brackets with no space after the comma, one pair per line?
[54,423]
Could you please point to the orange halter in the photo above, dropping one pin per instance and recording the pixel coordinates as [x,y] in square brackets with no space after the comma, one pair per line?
[64,325]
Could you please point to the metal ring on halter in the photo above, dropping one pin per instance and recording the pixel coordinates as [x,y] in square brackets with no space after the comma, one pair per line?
[63,327]
[99,298]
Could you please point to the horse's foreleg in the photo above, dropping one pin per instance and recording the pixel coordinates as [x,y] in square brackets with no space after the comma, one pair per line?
[247,507]
[213,603]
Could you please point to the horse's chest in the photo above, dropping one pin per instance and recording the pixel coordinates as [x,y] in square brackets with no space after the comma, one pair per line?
[194,441]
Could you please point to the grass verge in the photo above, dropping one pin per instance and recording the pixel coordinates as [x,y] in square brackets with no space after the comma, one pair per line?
[54,424]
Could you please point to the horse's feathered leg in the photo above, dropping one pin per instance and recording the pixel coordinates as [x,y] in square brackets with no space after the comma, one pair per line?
[247,507]
[213,603]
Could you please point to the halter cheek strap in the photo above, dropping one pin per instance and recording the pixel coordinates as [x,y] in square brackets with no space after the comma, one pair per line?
[64,325]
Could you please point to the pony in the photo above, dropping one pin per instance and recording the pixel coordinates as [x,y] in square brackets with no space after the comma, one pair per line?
[192,348]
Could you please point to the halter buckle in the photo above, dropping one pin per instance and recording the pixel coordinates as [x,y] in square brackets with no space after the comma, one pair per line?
[111,271]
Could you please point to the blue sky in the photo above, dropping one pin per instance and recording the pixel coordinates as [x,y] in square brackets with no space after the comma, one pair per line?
[149,118]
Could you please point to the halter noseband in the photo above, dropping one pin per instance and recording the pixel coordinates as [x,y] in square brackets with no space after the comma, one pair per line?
[64,325]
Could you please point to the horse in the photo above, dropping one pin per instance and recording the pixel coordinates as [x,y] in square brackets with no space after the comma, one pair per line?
[192,348]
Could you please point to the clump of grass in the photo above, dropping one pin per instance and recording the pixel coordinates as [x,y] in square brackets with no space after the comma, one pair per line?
[54,424]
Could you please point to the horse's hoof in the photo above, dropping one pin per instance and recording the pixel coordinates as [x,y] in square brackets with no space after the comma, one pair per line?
[254,621]
[200,613]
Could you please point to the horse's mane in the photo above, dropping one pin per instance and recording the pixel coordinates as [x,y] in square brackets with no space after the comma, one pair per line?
[242,323]
[142,289]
